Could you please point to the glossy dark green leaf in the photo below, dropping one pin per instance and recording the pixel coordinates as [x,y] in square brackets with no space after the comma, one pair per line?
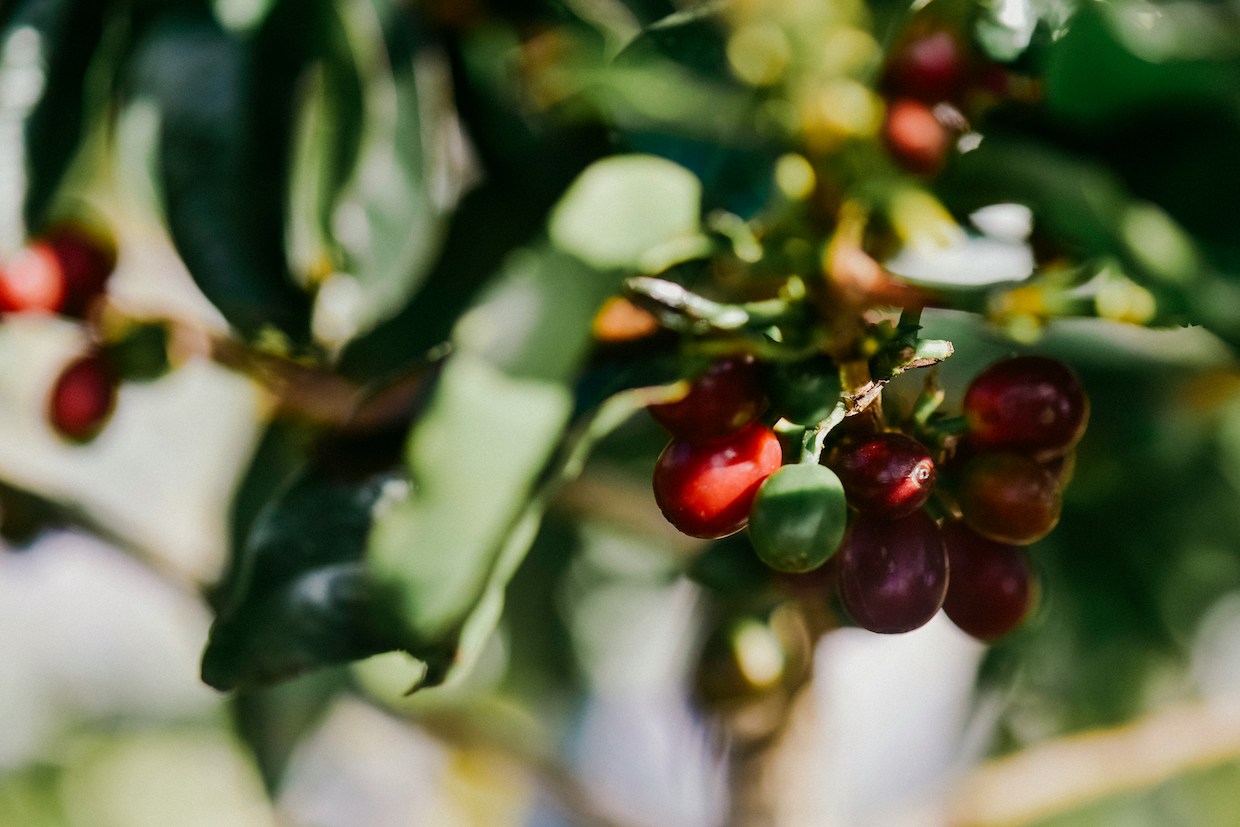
[225,116]
[299,597]
[46,48]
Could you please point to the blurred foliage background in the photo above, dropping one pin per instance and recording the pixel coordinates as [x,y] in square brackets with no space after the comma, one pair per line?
[373,433]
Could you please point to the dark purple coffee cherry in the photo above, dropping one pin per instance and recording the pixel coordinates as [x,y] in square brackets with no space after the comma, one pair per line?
[893,573]
[888,475]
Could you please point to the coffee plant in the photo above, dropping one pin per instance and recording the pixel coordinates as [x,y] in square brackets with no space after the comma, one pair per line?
[930,307]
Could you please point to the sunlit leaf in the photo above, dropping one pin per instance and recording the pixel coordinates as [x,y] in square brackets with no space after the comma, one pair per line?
[621,208]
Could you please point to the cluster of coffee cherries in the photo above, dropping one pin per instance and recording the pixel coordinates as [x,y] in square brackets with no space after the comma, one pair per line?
[65,271]
[933,81]
[864,506]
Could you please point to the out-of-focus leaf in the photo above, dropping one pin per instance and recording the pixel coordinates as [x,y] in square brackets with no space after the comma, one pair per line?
[387,218]
[444,554]
[225,114]
[45,51]
[526,165]
[622,207]
[672,94]
[1074,197]
[1115,61]
[299,598]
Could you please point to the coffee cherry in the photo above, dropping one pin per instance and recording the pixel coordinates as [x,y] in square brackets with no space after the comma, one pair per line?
[930,66]
[32,281]
[707,489]
[914,136]
[804,392]
[1009,498]
[87,258]
[724,398]
[893,573]
[991,590]
[82,398]
[62,272]
[1027,404]
[888,475]
[798,517]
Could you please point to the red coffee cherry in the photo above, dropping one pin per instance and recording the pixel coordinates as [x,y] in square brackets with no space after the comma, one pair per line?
[723,399]
[61,272]
[32,281]
[82,398]
[1027,404]
[888,475]
[893,574]
[1009,498]
[929,65]
[914,136]
[707,489]
[87,258]
[992,588]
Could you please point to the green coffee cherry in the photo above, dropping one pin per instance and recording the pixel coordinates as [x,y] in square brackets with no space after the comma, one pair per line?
[804,392]
[798,517]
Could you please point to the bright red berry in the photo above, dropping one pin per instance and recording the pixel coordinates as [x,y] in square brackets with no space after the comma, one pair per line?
[1027,404]
[61,272]
[914,136]
[893,574]
[1009,498]
[82,398]
[32,281]
[707,489]
[992,588]
[888,475]
[725,398]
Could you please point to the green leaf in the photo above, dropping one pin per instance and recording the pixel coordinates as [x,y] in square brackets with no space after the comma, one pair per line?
[299,599]
[1119,60]
[622,208]
[443,555]
[46,50]
[225,120]
[387,218]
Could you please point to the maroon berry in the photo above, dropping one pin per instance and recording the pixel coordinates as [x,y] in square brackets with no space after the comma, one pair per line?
[707,489]
[82,398]
[928,65]
[725,398]
[914,136]
[1009,498]
[992,587]
[888,475]
[1027,404]
[87,258]
[893,574]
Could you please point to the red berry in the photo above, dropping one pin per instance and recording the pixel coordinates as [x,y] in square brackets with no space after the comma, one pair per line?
[914,136]
[888,475]
[928,66]
[61,272]
[1028,404]
[82,398]
[723,399]
[991,590]
[33,281]
[1009,498]
[706,489]
[87,258]
[893,574]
